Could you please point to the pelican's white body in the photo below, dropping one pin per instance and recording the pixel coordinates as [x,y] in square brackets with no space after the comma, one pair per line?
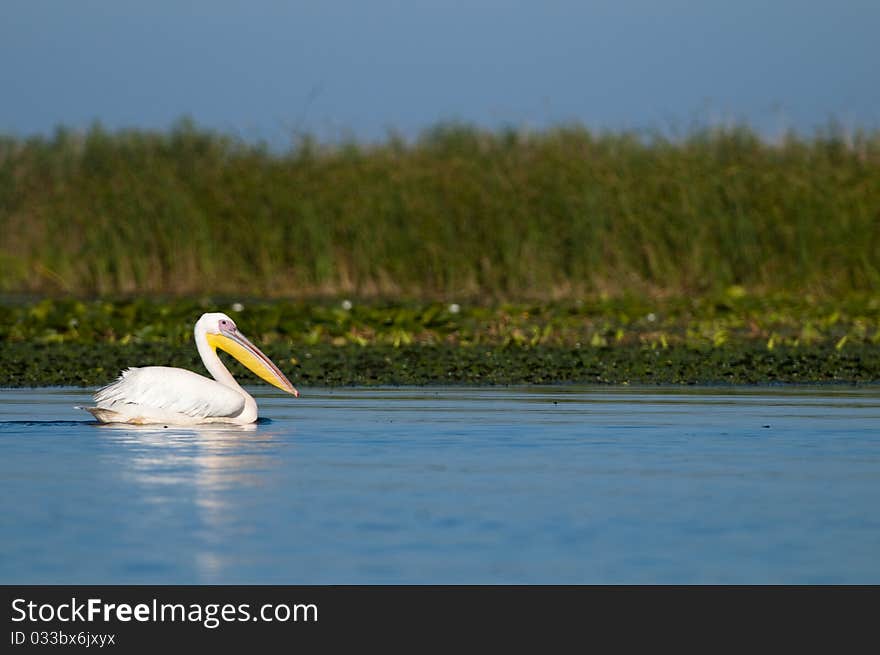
[161,394]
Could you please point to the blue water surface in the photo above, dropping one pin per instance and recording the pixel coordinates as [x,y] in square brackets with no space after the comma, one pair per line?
[451,485]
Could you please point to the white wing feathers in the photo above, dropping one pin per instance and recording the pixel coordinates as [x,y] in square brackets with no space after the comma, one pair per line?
[161,390]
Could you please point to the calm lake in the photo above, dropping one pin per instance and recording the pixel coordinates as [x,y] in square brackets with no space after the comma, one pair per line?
[451,485]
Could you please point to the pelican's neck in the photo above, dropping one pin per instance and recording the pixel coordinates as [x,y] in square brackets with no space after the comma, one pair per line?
[214,365]
[216,368]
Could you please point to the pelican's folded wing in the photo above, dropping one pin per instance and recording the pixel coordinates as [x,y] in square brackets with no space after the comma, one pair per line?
[166,389]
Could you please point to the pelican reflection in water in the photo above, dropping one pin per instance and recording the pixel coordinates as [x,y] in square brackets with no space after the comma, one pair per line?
[213,475]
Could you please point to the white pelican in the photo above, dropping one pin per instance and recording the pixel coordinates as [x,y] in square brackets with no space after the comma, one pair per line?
[161,394]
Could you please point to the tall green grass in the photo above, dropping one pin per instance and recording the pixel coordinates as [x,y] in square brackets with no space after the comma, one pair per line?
[458,212]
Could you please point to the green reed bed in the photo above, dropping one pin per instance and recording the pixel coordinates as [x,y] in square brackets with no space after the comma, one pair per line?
[457,214]
[727,337]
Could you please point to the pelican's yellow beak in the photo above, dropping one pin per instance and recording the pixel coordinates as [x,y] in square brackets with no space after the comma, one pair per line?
[236,344]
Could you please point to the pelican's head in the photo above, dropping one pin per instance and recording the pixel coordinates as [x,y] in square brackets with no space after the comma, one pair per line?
[219,331]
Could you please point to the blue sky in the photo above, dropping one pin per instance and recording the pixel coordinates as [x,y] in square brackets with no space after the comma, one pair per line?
[271,70]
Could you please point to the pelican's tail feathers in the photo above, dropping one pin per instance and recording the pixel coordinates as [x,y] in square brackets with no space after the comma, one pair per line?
[105,415]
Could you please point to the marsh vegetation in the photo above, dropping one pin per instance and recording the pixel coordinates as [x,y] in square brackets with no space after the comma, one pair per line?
[460,256]
[458,213]
[731,337]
